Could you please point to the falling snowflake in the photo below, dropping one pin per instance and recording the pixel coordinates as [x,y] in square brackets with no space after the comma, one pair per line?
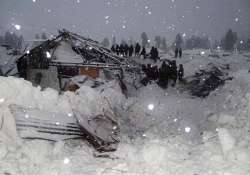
[48,55]
[151,107]
[187,129]
[66,160]
[18,27]
[2,100]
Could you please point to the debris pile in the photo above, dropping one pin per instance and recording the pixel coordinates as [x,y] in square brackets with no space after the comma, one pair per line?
[206,81]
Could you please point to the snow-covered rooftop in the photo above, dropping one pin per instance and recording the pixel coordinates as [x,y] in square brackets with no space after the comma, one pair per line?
[65,54]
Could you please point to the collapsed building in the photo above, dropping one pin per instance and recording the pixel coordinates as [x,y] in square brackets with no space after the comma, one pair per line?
[55,61]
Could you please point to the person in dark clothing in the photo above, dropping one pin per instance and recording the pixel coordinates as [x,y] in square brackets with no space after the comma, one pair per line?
[163,76]
[137,49]
[156,54]
[113,48]
[180,52]
[173,72]
[117,49]
[121,49]
[126,50]
[144,68]
[149,72]
[152,53]
[143,52]
[131,50]
[176,52]
[146,79]
[180,72]
[155,73]
[164,65]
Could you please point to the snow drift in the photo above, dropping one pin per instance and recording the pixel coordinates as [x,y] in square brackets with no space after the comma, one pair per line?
[163,131]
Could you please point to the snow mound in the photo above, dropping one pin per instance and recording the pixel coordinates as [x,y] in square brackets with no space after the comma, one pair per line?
[87,102]
[227,141]
[20,92]
[166,123]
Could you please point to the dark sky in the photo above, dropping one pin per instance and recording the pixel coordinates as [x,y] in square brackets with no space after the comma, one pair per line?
[126,18]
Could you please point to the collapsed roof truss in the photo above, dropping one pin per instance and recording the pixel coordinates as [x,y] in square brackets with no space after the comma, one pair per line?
[101,57]
[92,53]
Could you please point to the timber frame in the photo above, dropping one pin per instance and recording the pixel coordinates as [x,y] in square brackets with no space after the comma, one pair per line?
[92,53]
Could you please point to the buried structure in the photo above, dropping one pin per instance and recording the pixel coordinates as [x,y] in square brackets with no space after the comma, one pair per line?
[53,64]
[54,61]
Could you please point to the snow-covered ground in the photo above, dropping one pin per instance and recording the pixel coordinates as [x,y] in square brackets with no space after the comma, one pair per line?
[163,132]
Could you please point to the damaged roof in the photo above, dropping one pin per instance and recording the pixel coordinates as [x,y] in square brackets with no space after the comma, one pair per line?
[72,49]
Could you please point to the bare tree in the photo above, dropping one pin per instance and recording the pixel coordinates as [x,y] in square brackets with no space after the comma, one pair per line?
[37,36]
[164,46]
[105,42]
[44,36]
[113,40]
[158,41]
[144,38]
[229,40]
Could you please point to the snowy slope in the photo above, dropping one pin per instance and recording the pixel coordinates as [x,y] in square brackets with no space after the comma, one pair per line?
[164,132]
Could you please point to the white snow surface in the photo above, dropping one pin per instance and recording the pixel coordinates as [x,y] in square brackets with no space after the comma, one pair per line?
[153,140]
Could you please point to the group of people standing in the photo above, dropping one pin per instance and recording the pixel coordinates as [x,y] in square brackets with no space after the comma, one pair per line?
[137,51]
[167,72]
[128,51]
